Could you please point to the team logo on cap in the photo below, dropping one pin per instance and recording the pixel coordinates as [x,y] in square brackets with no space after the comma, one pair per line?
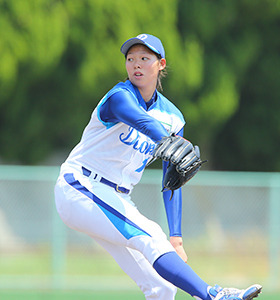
[142,36]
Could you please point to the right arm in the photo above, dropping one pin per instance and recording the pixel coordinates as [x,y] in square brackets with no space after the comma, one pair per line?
[122,107]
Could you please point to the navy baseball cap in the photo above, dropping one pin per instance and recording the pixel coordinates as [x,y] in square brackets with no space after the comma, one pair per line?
[147,40]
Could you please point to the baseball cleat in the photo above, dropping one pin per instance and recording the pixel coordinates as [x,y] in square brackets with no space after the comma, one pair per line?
[218,293]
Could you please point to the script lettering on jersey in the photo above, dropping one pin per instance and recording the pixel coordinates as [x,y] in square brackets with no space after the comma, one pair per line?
[133,139]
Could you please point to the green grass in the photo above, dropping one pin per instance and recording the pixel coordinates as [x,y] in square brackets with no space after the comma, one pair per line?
[75,295]
[96,276]
[81,295]
[100,263]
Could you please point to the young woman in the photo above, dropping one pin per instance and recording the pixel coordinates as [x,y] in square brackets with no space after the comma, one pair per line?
[93,191]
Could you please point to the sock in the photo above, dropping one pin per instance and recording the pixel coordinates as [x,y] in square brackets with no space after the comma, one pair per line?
[172,268]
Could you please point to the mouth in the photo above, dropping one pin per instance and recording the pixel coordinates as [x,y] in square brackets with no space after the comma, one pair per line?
[137,74]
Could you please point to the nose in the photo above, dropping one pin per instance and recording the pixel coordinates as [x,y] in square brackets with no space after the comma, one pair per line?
[137,64]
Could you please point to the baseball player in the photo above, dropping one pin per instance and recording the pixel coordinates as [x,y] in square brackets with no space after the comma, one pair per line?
[93,191]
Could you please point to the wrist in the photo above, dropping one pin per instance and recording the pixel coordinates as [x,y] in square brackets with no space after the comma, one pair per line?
[176,241]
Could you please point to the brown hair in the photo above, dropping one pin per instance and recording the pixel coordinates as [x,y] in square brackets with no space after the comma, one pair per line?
[161,74]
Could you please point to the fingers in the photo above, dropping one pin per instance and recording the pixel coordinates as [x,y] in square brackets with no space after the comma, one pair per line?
[172,148]
[188,161]
[181,152]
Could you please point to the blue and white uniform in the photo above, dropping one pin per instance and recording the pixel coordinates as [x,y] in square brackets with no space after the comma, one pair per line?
[125,142]
[114,149]
[93,191]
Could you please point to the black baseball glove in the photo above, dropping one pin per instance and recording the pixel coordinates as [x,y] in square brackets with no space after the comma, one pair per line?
[184,160]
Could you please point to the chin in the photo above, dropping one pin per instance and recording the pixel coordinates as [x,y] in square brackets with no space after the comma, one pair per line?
[136,83]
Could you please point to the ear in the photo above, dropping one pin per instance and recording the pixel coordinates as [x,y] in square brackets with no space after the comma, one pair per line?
[162,63]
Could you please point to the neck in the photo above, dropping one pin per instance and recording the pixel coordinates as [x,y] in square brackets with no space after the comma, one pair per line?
[147,93]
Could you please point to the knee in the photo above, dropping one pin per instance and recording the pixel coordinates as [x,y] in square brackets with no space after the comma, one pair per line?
[167,292]
[161,292]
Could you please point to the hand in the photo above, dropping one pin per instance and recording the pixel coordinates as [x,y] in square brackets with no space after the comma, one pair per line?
[177,243]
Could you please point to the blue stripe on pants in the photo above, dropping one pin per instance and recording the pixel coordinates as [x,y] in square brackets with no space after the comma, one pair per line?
[126,227]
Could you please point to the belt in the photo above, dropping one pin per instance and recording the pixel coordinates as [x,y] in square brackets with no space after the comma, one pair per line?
[117,188]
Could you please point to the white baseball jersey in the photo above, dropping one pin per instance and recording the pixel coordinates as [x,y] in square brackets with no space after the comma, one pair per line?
[123,150]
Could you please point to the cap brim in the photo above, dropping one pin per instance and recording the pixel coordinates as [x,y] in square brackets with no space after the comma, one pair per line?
[131,42]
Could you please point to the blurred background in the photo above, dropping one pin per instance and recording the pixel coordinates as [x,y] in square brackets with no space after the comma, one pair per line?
[58,58]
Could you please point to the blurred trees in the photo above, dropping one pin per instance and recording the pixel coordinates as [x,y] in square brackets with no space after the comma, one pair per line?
[235,107]
[58,58]
[253,133]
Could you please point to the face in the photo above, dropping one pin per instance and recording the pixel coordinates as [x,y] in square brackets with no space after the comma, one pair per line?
[143,66]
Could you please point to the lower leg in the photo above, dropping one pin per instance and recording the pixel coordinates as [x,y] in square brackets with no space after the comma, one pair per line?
[141,271]
[172,268]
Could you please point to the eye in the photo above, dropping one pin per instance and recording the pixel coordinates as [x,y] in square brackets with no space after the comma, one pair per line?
[145,58]
[129,59]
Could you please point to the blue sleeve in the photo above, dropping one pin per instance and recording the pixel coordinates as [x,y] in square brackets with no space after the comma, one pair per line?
[173,207]
[122,107]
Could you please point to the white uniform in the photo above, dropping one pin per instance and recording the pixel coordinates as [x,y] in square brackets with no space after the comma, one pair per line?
[111,157]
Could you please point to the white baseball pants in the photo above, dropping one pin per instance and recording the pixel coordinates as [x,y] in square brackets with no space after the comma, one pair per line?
[111,218]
